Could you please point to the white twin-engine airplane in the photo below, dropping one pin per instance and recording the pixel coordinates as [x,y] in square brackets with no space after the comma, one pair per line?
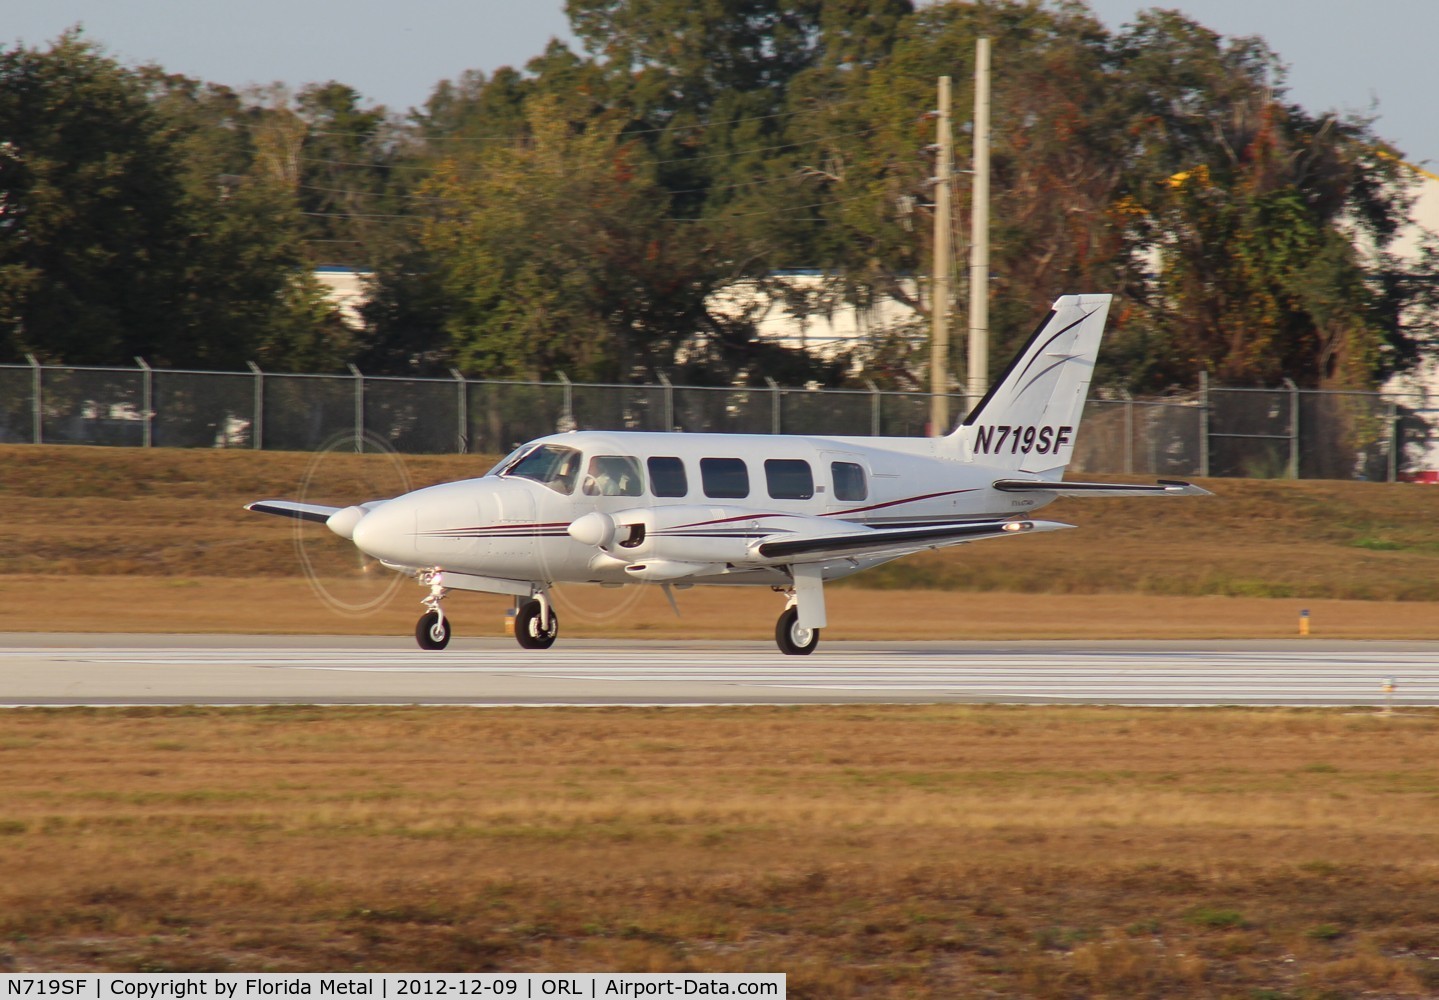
[779,511]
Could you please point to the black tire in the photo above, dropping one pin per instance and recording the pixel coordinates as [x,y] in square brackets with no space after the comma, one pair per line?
[528,632]
[791,638]
[432,631]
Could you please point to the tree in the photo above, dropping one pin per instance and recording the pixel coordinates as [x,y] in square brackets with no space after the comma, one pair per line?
[91,226]
[1257,216]
[140,218]
[555,255]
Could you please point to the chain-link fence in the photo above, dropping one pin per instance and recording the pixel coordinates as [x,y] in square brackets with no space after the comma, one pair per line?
[1252,433]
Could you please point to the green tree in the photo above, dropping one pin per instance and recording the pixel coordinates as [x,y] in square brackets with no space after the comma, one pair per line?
[1268,226]
[556,257]
[91,226]
[140,217]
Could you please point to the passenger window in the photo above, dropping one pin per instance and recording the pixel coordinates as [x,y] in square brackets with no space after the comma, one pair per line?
[724,478]
[848,481]
[614,476]
[788,478]
[667,477]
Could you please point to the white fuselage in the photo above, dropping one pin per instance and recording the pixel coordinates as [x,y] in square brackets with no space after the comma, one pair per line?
[675,506]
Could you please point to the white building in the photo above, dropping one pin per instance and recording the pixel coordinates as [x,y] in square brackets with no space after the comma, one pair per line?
[806,308]
[347,288]
[1421,389]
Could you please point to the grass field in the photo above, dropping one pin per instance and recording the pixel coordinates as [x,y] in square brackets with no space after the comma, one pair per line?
[868,852]
[932,852]
[114,539]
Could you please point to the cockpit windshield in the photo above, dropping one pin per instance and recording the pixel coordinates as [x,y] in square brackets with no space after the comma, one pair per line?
[499,467]
[555,466]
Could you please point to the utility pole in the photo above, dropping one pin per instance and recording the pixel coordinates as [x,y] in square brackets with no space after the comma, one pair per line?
[978,370]
[940,295]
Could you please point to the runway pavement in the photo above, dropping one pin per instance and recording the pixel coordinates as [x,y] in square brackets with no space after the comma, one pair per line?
[77,669]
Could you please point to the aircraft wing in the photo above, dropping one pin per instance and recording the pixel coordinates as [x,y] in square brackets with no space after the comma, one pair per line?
[865,541]
[289,508]
[1164,488]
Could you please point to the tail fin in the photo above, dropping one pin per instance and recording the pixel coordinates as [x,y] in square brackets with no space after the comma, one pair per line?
[1028,419]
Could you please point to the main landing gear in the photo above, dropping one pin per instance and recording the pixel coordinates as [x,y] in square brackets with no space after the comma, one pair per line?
[536,624]
[797,631]
[792,637]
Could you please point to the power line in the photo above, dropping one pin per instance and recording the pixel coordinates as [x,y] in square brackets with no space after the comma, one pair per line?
[411,132]
[870,130]
[791,212]
[787,178]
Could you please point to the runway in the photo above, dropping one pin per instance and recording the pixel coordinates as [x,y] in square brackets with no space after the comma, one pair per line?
[264,670]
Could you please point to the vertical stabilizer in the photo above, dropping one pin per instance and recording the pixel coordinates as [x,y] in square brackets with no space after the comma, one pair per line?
[1028,419]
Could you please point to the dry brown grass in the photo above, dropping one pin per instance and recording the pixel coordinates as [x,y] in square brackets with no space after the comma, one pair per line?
[885,852]
[888,852]
[103,539]
[280,606]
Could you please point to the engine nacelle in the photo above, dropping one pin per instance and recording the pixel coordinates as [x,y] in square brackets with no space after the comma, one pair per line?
[661,542]
[661,570]
[342,522]
[666,538]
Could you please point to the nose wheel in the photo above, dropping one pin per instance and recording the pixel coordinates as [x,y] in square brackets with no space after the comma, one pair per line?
[432,631]
[793,638]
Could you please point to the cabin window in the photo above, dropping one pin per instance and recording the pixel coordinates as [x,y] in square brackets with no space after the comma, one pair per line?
[725,478]
[788,478]
[555,466]
[848,481]
[667,477]
[614,476]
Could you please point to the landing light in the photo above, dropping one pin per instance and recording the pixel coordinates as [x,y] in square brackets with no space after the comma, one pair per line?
[1018,525]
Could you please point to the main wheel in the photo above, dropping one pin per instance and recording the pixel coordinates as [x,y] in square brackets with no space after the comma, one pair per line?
[528,630]
[793,638]
[432,631]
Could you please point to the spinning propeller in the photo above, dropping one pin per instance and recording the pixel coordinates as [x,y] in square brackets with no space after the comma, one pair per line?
[346,579]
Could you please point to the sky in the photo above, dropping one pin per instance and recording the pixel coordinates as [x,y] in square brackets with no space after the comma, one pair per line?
[1364,56]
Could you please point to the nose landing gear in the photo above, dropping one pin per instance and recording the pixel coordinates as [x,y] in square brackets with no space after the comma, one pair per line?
[536,624]
[432,631]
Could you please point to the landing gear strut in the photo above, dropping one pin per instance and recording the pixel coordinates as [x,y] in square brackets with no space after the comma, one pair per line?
[797,631]
[536,624]
[432,631]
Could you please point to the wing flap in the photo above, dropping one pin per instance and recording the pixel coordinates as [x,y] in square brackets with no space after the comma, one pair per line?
[1163,488]
[290,508]
[895,541]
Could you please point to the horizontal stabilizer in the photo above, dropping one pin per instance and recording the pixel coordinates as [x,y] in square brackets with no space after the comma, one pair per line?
[1163,488]
[289,508]
[896,541]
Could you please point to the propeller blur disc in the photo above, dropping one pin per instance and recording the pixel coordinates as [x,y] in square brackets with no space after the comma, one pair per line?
[345,471]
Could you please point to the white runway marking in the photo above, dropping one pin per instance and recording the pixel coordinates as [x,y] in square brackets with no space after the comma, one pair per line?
[639,673]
